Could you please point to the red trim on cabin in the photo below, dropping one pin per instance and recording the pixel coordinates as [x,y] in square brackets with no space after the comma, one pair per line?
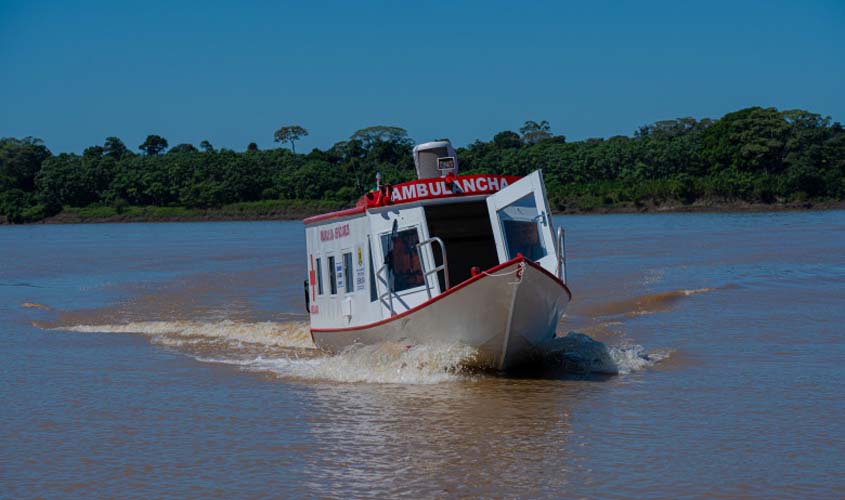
[312,279]
[335,215]
[454,289]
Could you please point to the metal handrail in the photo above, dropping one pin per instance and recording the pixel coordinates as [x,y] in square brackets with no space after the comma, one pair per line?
[389,286]
[382,275]
[561,254]
[442,267]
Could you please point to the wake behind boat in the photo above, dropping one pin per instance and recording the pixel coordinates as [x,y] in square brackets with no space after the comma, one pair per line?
[445,258]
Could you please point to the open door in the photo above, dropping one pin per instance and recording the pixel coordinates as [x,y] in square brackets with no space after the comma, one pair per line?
[399,261]
[522,223]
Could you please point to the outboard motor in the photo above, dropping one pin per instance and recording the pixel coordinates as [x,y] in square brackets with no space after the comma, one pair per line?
[435,159]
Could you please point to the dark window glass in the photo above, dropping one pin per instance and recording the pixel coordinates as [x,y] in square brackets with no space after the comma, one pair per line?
[521,225]
[347,271]
[406,259]
[319,276]
[373,289]
[332,276]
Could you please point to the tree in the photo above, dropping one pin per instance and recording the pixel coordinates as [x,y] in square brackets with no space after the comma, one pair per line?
[533,132]
[93,152]
[752,139]
[380,133]
[115,148]
[154,145]
[344,150]
[20,160]
[13,203]
[755,155]
[64,180]
[183,148]
[507,139]
[291,134]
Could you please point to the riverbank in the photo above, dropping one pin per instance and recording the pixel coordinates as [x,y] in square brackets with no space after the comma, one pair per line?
[299,209]
[260,210]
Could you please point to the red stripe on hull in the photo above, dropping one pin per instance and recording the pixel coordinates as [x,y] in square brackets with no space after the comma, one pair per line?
[454,289]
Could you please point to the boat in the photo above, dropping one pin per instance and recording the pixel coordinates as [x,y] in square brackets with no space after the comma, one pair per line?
[445,258]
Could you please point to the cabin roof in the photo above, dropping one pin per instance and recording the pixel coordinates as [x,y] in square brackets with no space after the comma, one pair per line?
[441,188]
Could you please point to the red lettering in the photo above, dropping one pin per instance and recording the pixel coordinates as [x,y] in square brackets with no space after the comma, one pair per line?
[331,234]
[437,188]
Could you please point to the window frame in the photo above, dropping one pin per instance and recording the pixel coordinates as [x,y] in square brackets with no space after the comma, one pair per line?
[348,284]
[332,274]
[416,228]
[319,266]
[373,285]
[510,226]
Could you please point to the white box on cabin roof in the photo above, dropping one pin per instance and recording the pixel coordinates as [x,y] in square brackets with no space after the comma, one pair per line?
[427,156]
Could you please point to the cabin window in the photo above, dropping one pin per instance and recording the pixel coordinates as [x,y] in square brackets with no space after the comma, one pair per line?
[319,276]
[347,271]
[332,276]
[521,226]
[405,257]
[373,289]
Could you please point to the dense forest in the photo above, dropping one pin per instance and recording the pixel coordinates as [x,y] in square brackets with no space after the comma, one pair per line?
[754,155]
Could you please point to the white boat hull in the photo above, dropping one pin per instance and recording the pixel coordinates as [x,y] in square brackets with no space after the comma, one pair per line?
[503,312]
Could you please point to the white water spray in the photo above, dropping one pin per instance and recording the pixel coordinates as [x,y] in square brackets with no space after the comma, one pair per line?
[285,350]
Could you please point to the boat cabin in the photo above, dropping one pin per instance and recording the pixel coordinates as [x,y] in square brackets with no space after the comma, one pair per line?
[405,245]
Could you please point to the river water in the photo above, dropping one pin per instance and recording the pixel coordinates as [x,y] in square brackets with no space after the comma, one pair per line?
[174,361]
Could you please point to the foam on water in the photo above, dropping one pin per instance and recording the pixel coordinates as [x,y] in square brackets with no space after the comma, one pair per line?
[285,350]
[634,357]
[292,334]
[386,363]
[35,305]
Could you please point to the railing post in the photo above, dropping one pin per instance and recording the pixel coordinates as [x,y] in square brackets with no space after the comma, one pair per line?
[443,267]
[389,292]
[423,269]
[561,254]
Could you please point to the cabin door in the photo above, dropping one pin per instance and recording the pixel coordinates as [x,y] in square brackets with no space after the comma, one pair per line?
[522,222]
[400,262]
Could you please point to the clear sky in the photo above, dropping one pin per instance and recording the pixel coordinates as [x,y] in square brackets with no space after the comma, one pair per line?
[74,73]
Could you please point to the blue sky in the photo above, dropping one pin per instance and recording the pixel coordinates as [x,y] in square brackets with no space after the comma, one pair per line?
[74,73]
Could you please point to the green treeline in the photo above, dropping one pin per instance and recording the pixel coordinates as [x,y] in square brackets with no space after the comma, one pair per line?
[755,155]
